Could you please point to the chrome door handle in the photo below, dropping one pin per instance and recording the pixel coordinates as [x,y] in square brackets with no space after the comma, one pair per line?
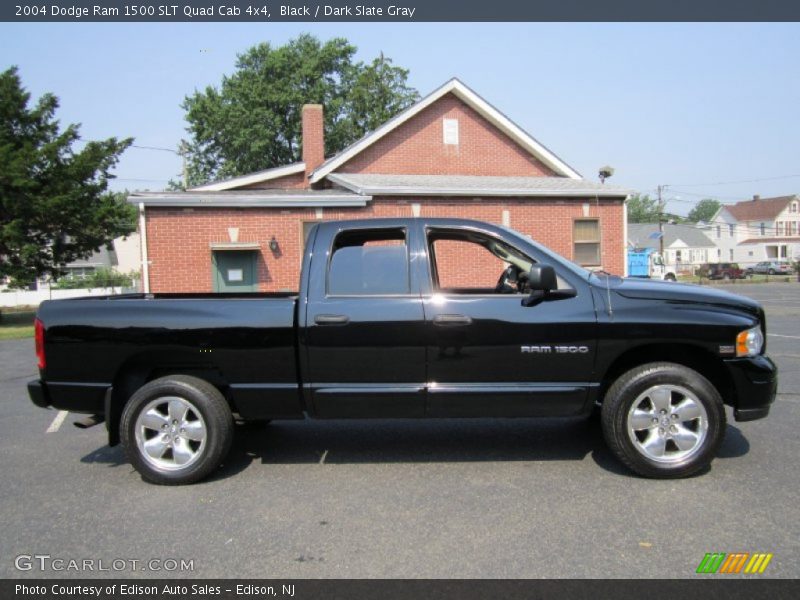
[331,319]
[451,320]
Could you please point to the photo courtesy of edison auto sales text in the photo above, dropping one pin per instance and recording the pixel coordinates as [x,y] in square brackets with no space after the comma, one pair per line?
[170,589]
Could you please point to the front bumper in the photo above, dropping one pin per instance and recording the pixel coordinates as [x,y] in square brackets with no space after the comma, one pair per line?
[755,383]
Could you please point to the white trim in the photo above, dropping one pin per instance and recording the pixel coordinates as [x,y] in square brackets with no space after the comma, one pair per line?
[477,103]
[235,246]
[145,261]
[247,200]
[625,237]
[250,179]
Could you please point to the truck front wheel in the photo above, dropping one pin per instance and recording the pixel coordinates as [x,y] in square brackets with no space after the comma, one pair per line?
[176,430]
[663,420]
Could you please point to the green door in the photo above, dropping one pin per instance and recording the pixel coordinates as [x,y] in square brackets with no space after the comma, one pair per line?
[234,270]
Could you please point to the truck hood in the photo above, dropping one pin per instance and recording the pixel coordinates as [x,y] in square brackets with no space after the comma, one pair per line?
[678,292]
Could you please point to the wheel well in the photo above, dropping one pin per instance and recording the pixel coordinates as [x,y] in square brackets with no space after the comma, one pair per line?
[707,364]
[135,374]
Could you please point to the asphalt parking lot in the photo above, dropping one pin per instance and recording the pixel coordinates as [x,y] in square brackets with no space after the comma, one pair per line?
[433,499]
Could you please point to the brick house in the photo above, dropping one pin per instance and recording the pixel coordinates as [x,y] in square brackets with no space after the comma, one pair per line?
[451,154]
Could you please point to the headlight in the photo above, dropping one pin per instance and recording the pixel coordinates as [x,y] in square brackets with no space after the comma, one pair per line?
[749,342]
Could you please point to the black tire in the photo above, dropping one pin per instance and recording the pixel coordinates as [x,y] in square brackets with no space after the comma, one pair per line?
[682,384]
[771,271]
[726,277]
[669,277]
[206,415]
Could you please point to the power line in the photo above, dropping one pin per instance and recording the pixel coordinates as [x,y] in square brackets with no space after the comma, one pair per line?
[735,182]
[156,148]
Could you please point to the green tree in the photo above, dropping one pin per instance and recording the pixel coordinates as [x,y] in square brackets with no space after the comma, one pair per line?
[251,121]
[704,210]
[642,209]
[54,203]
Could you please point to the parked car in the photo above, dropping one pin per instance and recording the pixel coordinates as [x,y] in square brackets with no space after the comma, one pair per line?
[391,322]
[770,267]
[721,271]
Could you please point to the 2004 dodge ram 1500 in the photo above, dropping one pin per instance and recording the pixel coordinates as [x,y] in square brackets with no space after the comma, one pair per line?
[391,322]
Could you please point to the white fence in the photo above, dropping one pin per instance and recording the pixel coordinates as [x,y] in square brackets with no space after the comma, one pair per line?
[9,298]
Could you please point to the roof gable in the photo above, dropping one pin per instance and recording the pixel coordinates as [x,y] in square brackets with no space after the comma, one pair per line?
[763,209]
[244,181]
[474,102]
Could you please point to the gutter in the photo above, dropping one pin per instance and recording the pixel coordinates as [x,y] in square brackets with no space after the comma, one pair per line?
[482,192]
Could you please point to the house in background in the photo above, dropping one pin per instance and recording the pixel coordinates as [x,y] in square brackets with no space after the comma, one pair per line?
[685,246]
[756,230]
[452,154]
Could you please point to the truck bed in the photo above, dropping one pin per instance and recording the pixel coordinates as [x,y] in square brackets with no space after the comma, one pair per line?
[247,341]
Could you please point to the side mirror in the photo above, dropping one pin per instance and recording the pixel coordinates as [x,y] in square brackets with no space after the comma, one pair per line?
[542,278]
[541,281]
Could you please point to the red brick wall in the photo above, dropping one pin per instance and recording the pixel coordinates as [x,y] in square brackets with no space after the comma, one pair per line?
[287,182]
[416,147]
[178,239]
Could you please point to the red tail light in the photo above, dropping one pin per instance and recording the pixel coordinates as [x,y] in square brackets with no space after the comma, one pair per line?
[39,338]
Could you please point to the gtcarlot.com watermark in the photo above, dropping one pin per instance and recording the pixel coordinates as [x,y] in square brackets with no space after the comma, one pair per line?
[49,563]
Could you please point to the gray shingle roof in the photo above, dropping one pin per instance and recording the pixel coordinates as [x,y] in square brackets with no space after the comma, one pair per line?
[472,185]
[639,235]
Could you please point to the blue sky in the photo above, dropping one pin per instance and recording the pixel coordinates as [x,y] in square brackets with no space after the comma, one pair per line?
[675,104]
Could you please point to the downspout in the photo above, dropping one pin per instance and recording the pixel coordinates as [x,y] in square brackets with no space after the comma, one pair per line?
[625,236]
[143,240]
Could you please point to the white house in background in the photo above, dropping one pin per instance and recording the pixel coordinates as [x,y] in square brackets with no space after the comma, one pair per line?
[685,246]
[755,230]
[124,256]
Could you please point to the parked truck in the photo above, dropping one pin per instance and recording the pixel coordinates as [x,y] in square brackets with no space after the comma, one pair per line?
[646,263]
[392,320]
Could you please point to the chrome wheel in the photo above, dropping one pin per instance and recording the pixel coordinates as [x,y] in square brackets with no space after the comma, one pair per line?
[667,424]
[170,433]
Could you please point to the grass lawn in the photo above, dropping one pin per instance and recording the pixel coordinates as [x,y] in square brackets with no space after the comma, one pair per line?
[16,325]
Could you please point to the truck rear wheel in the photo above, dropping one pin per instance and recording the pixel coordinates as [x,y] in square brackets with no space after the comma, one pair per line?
[176,430]
[663,420]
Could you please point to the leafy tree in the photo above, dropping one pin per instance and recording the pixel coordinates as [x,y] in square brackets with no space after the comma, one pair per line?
[252,120]
[642,209]
[54,203]
[704,210]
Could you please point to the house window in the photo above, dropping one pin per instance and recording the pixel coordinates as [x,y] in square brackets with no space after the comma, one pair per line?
[779,228]
[450,131]
[763,229]
[730,254]
[784,253]
[793,207]
[586,233]
[731,229]
[791,228]
[719,231]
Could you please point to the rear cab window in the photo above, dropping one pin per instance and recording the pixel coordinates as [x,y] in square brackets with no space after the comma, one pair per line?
[369,262]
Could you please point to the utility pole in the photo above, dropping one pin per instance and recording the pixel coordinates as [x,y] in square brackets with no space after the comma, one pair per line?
[661,188]
[183,148]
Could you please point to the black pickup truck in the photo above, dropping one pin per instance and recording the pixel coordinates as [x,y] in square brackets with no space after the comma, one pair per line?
[411,318]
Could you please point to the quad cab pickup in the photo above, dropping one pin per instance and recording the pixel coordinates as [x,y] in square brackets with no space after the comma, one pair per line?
[411,318]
